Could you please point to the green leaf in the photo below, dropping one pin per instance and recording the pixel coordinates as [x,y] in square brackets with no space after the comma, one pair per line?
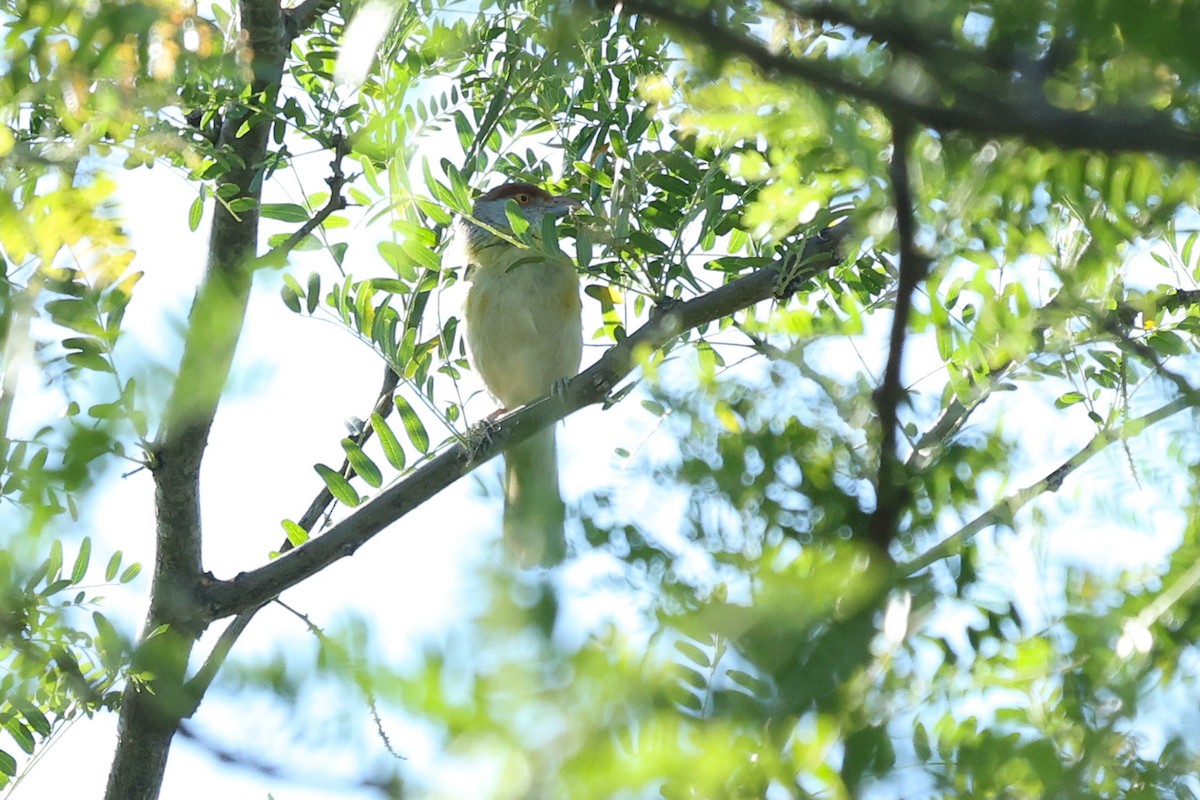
[412,424]
[114,566]
[195,213]
[693,653]
[421,254]
[295,534]
[755,686]
[1167,343]
[1188,244]
[92,361]
[8,764]
[85,344]
[286,212]
[239,204]
[550,235]
[516,220]
[20,734]
[396,258]
[112,645]
[364,466]
[338,486]
[921,742]
[130,573]
[313,295]
[1068,399]
[81,560]
[449,330]
[290,298]
[392,450]
[33,715]
[54,587]
[106,411]
[338,251]
[55,562]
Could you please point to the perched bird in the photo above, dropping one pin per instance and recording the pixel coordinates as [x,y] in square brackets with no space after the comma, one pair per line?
[525,335]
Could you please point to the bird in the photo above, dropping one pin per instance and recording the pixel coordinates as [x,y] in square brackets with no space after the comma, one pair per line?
[525,336]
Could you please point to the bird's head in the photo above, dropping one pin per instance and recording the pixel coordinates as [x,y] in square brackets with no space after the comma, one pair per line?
[533,203]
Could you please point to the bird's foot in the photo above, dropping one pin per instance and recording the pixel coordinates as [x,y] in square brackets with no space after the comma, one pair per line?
[559,387]
[479,435]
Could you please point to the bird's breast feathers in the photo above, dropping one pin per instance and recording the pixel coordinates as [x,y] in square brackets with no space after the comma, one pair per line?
[523,323]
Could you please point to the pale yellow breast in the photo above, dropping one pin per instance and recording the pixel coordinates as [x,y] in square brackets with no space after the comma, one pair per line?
[523,323]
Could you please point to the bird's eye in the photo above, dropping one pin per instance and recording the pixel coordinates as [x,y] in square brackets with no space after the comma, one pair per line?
[522,199]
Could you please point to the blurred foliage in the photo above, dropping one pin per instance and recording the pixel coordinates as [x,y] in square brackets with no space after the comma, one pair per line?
[770,653]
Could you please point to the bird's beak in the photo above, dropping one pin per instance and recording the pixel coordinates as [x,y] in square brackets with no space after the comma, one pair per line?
[565,205]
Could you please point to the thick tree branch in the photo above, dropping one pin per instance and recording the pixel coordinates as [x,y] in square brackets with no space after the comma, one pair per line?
[304,14]
[251,589]
[1022,112]
[151,710]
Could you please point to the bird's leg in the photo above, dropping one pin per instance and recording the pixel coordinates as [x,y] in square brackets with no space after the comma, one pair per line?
[479,435]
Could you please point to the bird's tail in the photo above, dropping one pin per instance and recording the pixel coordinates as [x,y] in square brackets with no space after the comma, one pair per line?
[534,514]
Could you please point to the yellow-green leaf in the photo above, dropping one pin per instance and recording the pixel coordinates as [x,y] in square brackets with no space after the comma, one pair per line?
[392,450]
[338,486]
[412,424]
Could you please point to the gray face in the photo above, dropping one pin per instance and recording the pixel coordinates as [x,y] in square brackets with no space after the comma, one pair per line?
[533,203]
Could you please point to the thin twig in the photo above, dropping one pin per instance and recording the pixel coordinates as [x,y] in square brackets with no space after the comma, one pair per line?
[336,202]
[1006,508]
[384,403]
[198,685]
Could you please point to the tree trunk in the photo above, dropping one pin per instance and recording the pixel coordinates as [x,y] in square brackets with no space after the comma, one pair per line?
[158,695]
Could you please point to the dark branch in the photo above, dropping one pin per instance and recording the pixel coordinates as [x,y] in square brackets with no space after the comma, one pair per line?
[203,678]
[1022,112]
[890,492]
[336,202]
[300,16]
[594,385]
[383,407]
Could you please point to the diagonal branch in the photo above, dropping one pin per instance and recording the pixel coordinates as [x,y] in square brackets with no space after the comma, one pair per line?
[251,589]
[337,201]
[303,14]
[383,407]
[1022,113]
[1005,509]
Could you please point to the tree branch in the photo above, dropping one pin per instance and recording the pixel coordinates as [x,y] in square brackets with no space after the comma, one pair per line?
[251,589]
[198,685]
[383,407]
[151,709]
[952,418]
[336,181]
[1021,113]
[1005,509]
[300,16]
[891,493]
